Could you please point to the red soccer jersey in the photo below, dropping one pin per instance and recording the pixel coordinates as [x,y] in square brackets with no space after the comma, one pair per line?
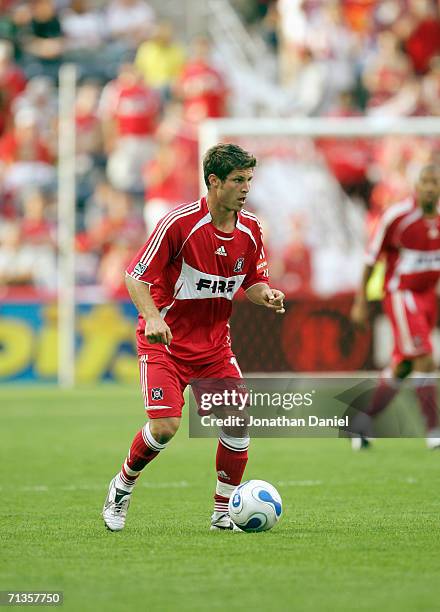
[410,244]
[203,90]
[134,107]
[194,270]
[12,151]
[12,84]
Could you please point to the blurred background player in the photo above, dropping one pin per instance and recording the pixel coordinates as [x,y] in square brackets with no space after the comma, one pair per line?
[408,238]
[149,73]
[182,282]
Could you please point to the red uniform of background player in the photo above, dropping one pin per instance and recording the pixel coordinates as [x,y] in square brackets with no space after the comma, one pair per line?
[408,238]
[183,281]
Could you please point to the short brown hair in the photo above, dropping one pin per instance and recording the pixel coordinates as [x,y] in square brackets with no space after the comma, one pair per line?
[222,159]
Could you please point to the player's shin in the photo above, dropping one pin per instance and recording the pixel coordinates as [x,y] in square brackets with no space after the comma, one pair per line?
[143,450]
[425,386]
[387,388]
[231,459]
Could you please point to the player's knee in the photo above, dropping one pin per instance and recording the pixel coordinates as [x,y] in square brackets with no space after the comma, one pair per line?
[164,429]
[403,369]
[424,363]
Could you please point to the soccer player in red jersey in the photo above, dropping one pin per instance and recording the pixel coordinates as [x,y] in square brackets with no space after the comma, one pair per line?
[408,238]
[182,282]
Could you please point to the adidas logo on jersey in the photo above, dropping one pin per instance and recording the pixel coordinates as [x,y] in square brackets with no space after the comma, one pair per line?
[221,251]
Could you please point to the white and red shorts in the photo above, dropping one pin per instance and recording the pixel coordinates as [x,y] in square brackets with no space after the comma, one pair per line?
[164,379]
[413,316]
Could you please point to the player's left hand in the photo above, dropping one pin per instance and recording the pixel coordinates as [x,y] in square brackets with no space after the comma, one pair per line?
[274,299]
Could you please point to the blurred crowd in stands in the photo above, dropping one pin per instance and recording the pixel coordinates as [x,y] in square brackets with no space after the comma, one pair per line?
[143,91]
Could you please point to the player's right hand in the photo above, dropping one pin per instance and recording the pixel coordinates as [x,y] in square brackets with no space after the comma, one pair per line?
[157,331]
[359,313]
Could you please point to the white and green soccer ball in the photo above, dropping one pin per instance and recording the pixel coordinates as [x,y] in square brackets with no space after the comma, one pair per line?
[255,505]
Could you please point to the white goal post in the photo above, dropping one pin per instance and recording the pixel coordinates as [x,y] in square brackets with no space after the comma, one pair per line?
[66,225]
[211,131]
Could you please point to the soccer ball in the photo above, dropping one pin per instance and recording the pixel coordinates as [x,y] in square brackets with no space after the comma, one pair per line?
[255,505]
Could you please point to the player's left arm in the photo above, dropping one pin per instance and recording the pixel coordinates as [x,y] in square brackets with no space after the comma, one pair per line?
[263,295]
[256,283]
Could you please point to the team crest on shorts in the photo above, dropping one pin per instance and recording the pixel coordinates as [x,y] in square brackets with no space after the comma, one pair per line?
[238,267]
[140,268]
[156,394]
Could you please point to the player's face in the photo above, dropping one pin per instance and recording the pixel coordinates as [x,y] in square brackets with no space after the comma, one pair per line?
[233,191]
[428,188]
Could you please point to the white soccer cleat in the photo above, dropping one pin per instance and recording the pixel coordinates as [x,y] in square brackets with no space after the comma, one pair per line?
[359,443]
[361,430]
[221,521]
[433,439]
[115,508]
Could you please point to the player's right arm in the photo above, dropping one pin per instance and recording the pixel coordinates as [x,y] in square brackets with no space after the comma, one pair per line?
[378,244]
[156,330]
[148,266]
[359,310]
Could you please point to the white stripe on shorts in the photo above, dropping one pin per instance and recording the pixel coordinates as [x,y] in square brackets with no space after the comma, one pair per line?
[143,369]
[234,362]
[404,335]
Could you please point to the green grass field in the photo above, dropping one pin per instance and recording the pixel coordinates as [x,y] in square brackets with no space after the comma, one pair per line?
[359,531]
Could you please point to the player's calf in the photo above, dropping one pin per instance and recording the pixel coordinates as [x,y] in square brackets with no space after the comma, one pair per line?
[231,459]
[425,387]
